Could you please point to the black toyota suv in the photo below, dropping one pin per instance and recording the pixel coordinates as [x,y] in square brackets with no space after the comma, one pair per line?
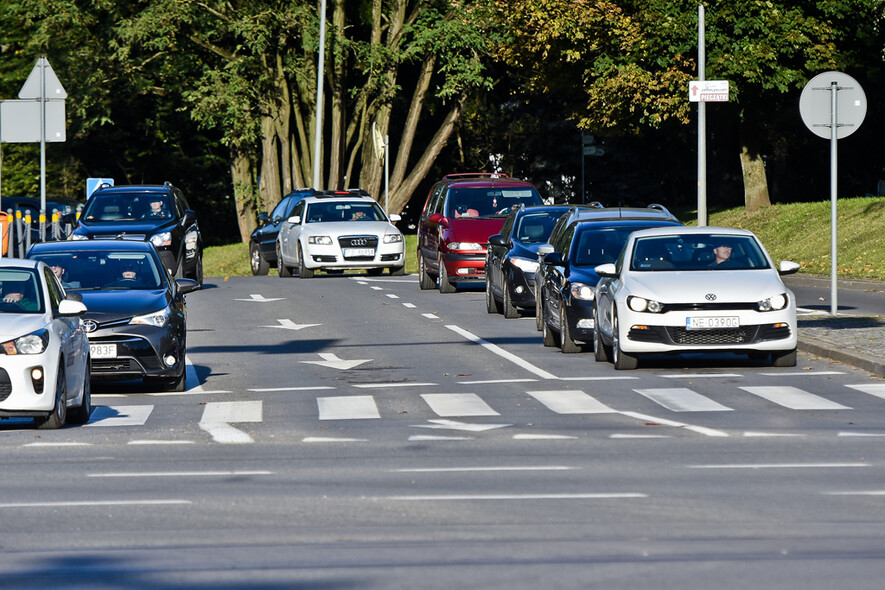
[158,214]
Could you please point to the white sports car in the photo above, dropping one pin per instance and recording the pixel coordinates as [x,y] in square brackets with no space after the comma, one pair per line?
[694,289]
[44,351]
[336,232]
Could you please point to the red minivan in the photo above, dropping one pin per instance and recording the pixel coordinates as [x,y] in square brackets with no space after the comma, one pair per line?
[461,212]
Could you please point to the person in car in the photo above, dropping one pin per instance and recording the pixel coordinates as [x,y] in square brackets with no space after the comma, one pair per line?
[62,276]
[722,255]
[157,211]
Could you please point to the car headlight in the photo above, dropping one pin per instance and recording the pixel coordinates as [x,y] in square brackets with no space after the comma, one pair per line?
[162,239]
[79,237]
[641,304]
[321,240]
[524,264]
[464,246]
[773,303]
[583,292]
[33,343]
[158,319]
[190,241]
[393,238]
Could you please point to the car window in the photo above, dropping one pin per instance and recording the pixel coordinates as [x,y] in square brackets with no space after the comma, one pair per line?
[20,291]
[326,212]
[488,201]
[55,291]
[696,252]
[106,269]
[535,228]
[434,203]
[279,212]
[507,228]
[594,246]
[298,210]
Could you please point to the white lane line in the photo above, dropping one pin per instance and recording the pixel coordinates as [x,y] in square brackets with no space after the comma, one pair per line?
[273,389]
[502,353]
[119,415]
[493,381]
[180,474]
[870,434]
[432,437]
[772,435]
[803,374]
[778,465]
[857,493]
[392,296]
[484,469]
[443,424]
[619,436]
[571,402]
[680,399]
[332,439]
[389,385]
[543,437]
[458,404]
[377,288]
[217,417]
[347,407]
[75,504]
[698,375]
[160,442]
[366,281]
[607,378]
[876,389]
[469,497]
[794,398]
[430,316]
[410,305]
[699,429]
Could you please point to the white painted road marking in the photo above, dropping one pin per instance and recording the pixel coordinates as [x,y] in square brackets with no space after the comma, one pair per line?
[876,389]
[502,353]
[75,504]
[454,425]
[255,297]
[468,497]
[794,398]
[680,399]
[458,404]
[347,407]
[290,325]
[333,362]
[120,415]
[217,417]
[663,422]
[570,402]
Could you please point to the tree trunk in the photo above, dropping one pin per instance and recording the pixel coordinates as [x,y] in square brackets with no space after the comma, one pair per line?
[753,167]
[244,192]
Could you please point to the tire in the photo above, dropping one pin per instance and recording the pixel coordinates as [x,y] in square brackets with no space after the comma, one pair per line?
[538,325]
[566,344]
[783,358]
[175,383]
[198,270]
[425,281]
[59,413]
[510,310]
[80,414]
[547,334]
[282,269]
[445,286]
[492,305]
[397,271]
[601,352]
[303,271]
[622,360]
[260,266]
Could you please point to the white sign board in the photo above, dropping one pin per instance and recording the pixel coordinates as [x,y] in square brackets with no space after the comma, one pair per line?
[42,77]
[708,91]
[20,121]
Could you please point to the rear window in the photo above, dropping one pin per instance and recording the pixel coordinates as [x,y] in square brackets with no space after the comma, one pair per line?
[488,201]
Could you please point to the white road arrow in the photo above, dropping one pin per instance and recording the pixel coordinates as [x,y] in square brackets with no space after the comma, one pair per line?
[453,425]
[217,417]
[332,361]
[290,325]
[260,298]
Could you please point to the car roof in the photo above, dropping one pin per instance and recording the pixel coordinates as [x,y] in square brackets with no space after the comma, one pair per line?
[134,188]
[690,230]
[476,179]
[338,197]
[18,263]
[90,246]
[627,221]
[542,209]
[653,211]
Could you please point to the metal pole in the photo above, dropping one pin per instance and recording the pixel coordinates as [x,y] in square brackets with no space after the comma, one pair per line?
[834,142]
[42,148]
[702,124]
[582,168]
[317,140]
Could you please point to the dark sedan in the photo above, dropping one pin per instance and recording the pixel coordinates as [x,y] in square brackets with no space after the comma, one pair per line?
[512,259]
[136,320]
[263,243]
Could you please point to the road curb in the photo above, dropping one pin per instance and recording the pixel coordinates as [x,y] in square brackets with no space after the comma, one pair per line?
[863,361]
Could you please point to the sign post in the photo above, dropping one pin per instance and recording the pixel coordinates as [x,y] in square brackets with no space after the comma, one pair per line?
[831,115]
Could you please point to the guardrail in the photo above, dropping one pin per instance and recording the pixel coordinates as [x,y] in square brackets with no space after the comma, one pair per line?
[23,229]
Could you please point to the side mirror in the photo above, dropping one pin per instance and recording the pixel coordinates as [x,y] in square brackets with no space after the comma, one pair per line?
[554,258]
[74,296]
[394,218]
[262,217]
[608,270]
[435,218]
[187,285]
[70,308]
[294,220]
[544,250]
[497,240]
[788,267]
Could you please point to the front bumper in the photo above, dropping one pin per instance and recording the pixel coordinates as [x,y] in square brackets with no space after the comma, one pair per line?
[465,268]
[140,352]
[522,288]
[323,256]
[579,315]
[18,395]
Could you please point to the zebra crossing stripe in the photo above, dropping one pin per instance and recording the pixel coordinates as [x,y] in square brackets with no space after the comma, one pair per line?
[458,404]
[347,407]
[876,389]
[794,398]
[120,415]
[570,402]
[680,399]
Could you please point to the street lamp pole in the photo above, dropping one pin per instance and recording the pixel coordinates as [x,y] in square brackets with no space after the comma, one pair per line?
[317,134]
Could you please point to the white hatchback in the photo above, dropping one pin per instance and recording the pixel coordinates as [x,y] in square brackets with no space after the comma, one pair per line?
[334,232]
[694,289]
[44,351]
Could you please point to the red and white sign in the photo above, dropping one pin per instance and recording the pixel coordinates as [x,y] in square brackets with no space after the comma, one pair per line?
[708,91]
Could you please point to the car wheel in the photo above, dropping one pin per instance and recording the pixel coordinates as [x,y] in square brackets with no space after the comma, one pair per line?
[510,310]
[282,269]
[538,325]
[492,305]
[397,271]
[566,344]
[60,412]
[259,264]
[198,270]
[445,286]
[601,352]
[546,332]
[303,271]
[80,414]
[783,358]
[622,360]
[425,281]
[175,383]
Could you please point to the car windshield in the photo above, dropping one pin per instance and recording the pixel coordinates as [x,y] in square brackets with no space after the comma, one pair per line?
[694,252]
[320,212]
[488,201]
[110,269]
[126,207]
[535,228]
[20,291]
[595,246]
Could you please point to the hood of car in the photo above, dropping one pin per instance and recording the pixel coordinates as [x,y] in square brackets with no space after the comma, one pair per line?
[105,306]
[349,228]
[13,325]
[148,227]
[473,229]
[727,286]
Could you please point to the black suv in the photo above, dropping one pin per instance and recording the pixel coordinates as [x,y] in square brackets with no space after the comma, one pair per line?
[158,214]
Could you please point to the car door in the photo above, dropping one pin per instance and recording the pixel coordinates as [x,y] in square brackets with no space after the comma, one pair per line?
[497,254]
[288,235]
[554,275]
[606,293]
[71,335]
[267,237]
[428,236]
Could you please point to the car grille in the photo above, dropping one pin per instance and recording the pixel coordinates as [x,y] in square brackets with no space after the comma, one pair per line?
[739,305]
[361,242]
[742,335]
[5,385]
[100,366]
[123,235]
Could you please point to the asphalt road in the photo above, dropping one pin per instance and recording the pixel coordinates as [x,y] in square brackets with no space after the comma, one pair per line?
[346,432]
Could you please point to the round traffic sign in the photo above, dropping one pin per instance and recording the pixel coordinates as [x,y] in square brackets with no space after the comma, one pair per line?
[816,104]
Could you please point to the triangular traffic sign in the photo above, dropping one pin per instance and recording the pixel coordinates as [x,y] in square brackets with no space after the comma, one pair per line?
[31,88]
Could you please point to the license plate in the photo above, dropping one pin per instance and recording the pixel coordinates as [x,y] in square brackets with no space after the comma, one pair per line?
[103,351]
[712,323]
[351,252]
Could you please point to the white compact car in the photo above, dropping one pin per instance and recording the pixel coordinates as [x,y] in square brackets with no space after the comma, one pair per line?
[44,351]
[694,289]
[336,231]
